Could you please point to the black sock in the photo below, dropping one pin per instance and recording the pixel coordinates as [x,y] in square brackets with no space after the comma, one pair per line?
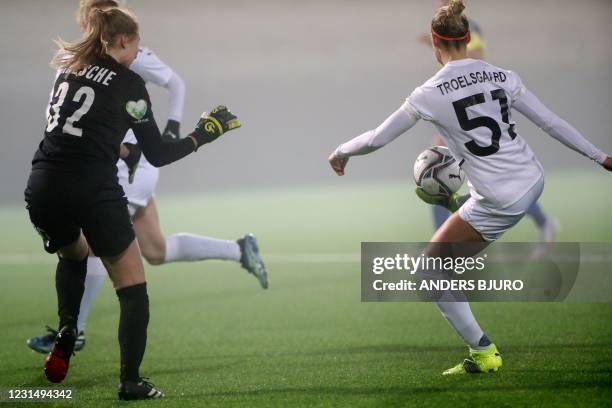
[484,341]
[69,284]
[133,322]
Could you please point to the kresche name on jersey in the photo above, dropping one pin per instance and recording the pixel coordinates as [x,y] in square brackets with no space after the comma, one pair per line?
[97,74]
[472,78]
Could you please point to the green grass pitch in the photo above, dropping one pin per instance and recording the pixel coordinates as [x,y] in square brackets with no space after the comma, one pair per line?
[217,339]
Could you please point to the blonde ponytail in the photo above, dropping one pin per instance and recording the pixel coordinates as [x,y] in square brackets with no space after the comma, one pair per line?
[103,29]
[85,7]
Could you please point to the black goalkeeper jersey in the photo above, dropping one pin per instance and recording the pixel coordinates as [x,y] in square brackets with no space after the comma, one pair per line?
[89,114]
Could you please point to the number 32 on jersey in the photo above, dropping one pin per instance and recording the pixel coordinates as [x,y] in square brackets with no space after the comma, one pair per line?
[84,95]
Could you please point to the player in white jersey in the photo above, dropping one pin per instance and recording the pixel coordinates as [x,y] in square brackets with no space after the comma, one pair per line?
[138,178]
[469,102]
[545,223]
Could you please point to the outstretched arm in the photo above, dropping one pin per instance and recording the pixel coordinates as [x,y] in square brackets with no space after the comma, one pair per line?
[530,106]
[160,153]
[176,100]
[399,122]
[176,97]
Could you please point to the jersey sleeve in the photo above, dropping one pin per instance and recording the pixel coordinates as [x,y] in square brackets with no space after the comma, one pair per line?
[514,86]
[151,68]
[531,107]
[399,122]
[140,118]
[417,104]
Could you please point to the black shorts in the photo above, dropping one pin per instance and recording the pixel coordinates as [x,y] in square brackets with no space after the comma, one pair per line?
[62,204]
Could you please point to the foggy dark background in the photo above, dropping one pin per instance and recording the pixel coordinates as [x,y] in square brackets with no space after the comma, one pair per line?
[305,76]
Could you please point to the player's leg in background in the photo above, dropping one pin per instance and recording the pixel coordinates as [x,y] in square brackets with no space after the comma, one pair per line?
[547,225]
[158,249]
[184,247]
[96,273]
[440,214]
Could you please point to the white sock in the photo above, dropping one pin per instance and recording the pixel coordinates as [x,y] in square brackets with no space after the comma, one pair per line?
[189,247]
[96,272]
[460,317]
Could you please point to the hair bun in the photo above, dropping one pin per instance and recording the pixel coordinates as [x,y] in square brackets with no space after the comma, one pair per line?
[456,7]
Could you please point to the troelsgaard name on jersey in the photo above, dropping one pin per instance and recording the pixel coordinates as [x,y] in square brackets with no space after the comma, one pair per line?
[472,78]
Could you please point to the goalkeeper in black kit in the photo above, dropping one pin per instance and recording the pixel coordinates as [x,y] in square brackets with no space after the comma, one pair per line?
[73,196]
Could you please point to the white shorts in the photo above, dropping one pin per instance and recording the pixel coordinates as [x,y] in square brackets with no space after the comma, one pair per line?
[490,222]
[140,192]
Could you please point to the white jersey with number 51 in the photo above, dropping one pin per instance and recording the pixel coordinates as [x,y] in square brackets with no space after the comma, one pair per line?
[469,102]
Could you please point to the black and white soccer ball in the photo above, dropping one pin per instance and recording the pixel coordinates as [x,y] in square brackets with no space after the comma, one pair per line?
[437,172]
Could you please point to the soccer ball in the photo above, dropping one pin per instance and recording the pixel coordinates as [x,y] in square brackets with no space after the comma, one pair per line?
[437,172]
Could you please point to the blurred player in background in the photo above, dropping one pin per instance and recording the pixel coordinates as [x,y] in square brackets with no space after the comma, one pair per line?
[138,178]
[545,223]
[505,177]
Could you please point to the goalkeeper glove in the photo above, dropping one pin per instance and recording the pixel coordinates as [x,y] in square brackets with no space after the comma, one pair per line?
[211,126]
[132,159]
[171,132]
[451,203]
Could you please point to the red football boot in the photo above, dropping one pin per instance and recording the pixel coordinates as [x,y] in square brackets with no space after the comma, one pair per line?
[57,362]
